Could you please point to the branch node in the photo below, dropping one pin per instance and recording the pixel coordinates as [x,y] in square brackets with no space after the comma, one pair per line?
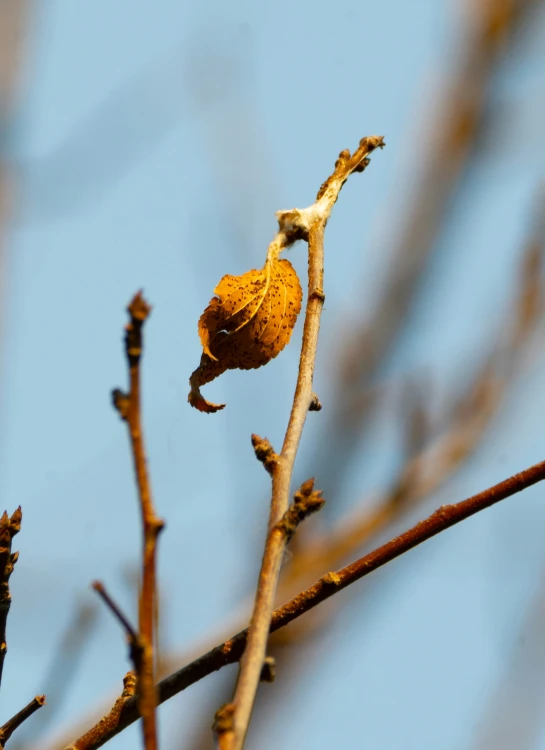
[157,525]
[268,673]
[293,223]
[331,579]
[306,501]
[265,453]
[224,719]
[318,294]
[315,403]
[121,402]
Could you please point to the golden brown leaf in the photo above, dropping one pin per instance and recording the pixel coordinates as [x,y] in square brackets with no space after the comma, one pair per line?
[247,323]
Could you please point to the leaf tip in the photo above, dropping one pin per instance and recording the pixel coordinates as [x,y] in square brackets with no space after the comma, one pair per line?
[197,401]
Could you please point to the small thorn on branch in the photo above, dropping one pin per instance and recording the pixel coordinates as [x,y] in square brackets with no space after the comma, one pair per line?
[306,501]
[265,453]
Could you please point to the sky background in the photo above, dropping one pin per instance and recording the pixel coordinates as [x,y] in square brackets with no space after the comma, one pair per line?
[149,145]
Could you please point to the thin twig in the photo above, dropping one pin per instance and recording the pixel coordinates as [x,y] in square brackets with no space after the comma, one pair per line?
[309,223]
[128,406]
[136,648]
[8,528]
[98,586]
[231,650]
[10,726]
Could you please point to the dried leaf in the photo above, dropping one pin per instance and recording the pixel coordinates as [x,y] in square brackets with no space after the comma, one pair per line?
[247,323]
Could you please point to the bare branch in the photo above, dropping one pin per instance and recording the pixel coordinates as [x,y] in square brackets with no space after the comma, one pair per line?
[10,726]
[128,406]
[136,648]
[309,224]
[8,528]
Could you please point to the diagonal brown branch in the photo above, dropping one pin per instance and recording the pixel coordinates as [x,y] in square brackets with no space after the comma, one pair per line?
[231,650]
[311,224]
[128,406]
[10,726]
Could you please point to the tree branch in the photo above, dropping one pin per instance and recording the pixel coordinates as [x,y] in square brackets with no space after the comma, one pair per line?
[231,650]
[10,726]
[128,406]
[8,528]
[309,224]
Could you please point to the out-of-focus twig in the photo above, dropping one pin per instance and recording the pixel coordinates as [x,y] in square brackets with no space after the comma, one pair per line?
[128,406]
[10,726]
[13,17]
[8,528]
[491,26]
[311,223]
[130,632]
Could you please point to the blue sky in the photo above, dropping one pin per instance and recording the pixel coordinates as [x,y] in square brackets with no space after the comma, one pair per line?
[151,144]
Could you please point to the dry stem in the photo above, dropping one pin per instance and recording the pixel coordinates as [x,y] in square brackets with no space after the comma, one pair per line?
[10,726]
[128,406]
[8,528]
[309,224]
[231,650]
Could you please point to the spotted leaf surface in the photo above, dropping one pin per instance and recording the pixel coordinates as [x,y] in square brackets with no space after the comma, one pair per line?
[247,323]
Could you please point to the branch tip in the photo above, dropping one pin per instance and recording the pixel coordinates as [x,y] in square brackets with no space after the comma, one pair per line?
[15,722]
[265,453]
[138,309]
[121,403]
[114,608]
